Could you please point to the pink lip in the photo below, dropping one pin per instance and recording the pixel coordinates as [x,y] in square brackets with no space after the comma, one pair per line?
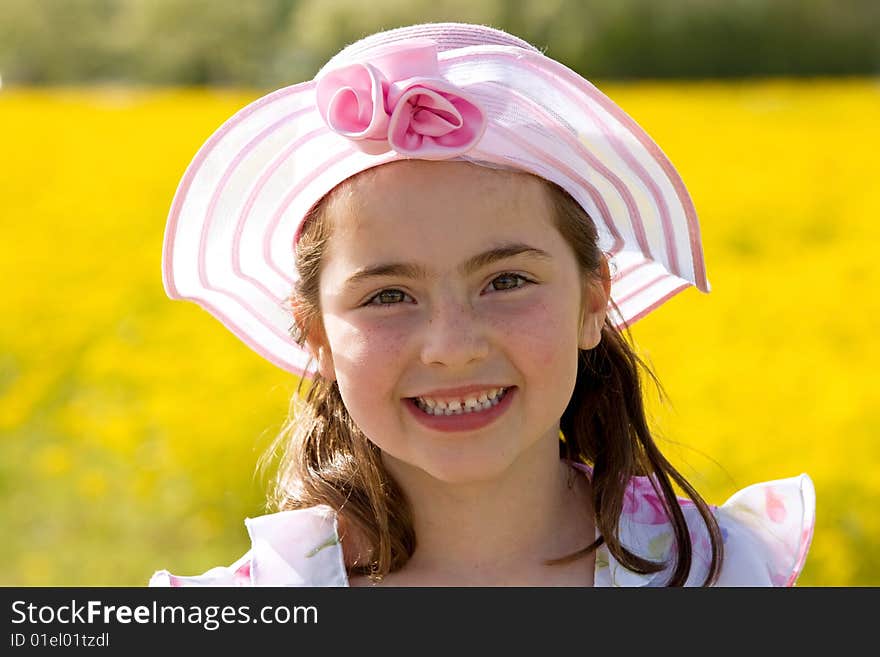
[465,421]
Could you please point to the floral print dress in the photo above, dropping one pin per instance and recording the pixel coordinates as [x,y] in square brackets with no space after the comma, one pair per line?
[766,527]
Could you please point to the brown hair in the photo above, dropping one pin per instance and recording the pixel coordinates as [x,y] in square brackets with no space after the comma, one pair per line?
[326,459]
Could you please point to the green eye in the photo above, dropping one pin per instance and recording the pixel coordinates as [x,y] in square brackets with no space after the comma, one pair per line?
[387,298]
[508,281]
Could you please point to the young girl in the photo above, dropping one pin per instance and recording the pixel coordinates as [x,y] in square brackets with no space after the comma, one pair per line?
[445,233]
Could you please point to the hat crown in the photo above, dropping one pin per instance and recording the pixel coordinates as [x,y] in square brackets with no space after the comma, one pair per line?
[446,36]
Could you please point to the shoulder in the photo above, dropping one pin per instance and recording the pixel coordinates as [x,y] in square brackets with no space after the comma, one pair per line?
[766,529]
[288,548]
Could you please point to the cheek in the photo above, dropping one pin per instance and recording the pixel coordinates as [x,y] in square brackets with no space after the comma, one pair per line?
[367,350]
[368,362]
[542,332]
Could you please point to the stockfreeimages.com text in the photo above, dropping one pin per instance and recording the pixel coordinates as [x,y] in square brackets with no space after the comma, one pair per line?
[210,617]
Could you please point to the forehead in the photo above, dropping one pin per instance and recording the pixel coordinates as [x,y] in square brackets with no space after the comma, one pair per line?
[420,199]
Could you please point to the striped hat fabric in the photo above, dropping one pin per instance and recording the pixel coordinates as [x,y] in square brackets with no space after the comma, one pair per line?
[432,91]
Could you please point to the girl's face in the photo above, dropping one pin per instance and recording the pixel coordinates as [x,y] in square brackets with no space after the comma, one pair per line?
[443,283]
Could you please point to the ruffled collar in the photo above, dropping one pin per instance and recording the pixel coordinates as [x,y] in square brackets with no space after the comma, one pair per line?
[767,530]
[302,547]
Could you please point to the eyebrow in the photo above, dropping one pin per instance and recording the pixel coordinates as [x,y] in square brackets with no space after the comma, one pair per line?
[418,272]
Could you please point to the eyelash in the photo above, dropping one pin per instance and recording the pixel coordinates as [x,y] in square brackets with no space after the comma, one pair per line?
[522,278]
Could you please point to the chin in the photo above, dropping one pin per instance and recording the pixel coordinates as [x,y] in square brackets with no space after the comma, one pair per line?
[467,468]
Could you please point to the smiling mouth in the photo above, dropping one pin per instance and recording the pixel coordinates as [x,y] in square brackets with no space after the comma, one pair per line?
[461,407]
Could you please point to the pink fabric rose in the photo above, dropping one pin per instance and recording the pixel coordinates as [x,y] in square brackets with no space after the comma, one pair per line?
[398,101]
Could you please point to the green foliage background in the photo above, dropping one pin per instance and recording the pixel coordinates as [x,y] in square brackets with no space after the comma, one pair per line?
[276,42]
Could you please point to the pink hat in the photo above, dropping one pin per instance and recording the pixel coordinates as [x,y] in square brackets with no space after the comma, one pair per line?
[433,91]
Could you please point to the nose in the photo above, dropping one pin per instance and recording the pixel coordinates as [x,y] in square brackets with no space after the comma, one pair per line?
[455,335]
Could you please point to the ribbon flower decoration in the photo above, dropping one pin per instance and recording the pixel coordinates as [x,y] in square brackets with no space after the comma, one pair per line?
[398,101]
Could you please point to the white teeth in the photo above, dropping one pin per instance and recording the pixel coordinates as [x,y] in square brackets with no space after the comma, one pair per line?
[486,400]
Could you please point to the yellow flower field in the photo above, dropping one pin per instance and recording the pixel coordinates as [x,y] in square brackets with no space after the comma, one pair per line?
[130,425]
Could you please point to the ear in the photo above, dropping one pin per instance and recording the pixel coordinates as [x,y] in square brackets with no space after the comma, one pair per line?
[325,363]
[315,343]
[320,350]
[596,295]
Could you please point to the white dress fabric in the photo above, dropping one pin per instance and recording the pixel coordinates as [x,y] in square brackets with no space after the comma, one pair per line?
[767,529]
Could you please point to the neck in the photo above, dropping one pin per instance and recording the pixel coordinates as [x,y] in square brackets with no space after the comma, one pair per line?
[505,528]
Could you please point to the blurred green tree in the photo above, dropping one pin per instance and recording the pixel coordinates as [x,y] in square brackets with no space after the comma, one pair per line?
[276,42]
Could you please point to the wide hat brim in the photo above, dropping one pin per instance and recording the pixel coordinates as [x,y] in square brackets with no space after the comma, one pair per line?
[229,240]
